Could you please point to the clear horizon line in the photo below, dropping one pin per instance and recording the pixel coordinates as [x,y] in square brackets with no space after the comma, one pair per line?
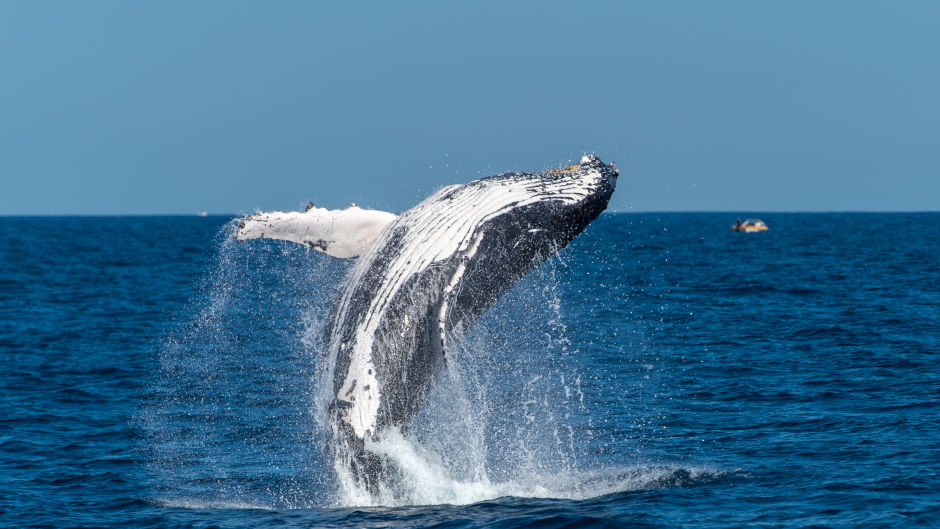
[607,212]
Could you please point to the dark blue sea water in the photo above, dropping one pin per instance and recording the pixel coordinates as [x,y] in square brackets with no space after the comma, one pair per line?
[663,371]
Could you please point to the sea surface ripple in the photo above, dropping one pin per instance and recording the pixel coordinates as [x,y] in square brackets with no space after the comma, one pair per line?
[664,371]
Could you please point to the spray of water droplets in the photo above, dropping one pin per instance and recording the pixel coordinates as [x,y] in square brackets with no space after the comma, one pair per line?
[235,417]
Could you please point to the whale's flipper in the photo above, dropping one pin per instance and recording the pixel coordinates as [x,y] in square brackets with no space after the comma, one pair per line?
[337,232]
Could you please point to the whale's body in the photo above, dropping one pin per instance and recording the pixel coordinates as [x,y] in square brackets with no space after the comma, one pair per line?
[425,279]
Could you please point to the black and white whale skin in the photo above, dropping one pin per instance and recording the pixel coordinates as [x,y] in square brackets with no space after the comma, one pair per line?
[424,280]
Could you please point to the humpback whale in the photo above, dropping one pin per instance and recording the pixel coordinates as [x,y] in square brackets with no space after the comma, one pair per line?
[421,280]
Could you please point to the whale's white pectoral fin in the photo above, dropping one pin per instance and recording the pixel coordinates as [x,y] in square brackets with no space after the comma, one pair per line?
[338,232]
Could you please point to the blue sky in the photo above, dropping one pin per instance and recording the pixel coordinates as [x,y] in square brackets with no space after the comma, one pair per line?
[179,107]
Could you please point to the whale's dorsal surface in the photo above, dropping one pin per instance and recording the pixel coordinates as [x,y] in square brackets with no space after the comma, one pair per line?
[423,281]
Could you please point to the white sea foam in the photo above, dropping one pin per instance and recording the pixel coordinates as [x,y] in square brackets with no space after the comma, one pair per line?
[202,504]
[421,478]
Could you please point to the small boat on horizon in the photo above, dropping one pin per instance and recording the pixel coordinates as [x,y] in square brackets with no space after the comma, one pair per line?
[749,226]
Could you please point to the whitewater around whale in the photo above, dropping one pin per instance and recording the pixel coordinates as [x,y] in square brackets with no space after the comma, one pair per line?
[421,280]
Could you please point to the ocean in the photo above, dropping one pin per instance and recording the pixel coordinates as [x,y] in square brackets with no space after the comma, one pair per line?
[661,371]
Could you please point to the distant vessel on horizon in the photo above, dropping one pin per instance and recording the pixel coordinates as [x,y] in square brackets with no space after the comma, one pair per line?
[749,226]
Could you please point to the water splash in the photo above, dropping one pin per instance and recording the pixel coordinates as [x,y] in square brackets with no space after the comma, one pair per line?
[238,415]
[229,417]
[507,417]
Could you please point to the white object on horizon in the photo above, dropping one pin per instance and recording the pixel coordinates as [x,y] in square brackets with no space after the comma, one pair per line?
[341,233]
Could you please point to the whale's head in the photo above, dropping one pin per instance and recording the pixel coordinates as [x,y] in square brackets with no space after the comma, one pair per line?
[513,222]
[585,187]
[552,207]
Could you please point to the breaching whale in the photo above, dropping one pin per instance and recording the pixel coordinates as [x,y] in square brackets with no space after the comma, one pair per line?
[421,280]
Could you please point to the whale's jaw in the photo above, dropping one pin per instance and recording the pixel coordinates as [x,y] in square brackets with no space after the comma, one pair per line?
[426,278]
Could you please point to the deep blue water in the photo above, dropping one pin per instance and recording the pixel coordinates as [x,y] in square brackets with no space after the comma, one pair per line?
[664,371]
